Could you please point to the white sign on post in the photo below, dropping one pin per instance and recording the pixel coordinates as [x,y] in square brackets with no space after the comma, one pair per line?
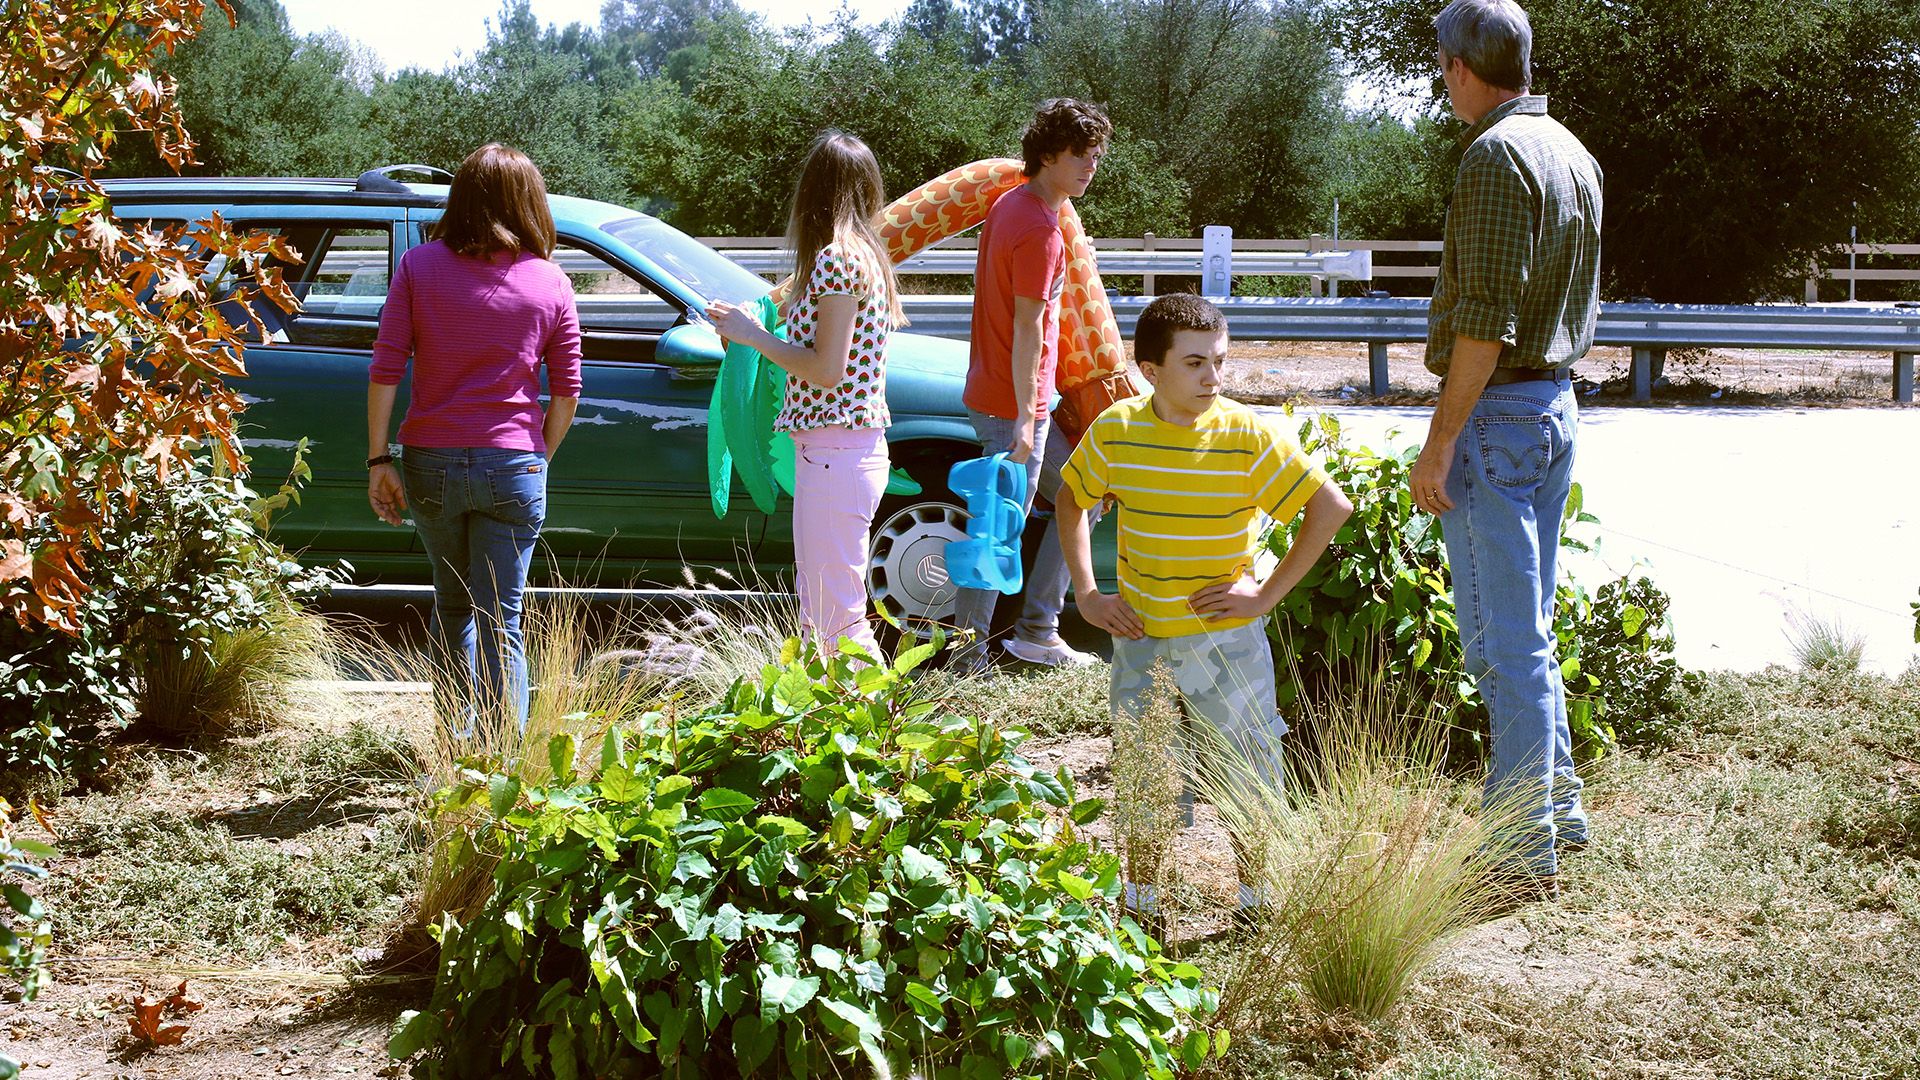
[1216,261]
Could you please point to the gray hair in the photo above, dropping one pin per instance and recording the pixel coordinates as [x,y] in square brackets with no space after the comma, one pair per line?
[1492,37]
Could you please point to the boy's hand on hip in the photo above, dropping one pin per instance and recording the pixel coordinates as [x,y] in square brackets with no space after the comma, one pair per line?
[1237,599]
[1113,614]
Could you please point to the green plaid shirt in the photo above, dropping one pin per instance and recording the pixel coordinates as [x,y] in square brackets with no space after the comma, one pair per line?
[1522,258]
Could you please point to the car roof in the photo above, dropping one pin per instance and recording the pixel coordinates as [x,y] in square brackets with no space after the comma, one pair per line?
[566,209]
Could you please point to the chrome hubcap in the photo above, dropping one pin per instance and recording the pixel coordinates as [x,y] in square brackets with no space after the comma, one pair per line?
[907,570]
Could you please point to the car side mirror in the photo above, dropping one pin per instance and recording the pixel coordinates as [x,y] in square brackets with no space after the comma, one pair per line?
[692,350]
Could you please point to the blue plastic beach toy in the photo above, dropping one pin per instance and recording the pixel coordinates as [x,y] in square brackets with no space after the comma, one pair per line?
[990,556]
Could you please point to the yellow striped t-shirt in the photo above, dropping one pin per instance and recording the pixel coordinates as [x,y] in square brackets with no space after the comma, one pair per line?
[1191,500]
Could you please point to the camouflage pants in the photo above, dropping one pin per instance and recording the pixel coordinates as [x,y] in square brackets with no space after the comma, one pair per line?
[1225,680]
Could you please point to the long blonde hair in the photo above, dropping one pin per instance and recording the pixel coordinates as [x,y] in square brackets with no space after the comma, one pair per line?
[839,197]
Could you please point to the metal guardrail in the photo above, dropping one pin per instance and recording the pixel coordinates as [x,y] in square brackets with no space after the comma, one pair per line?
[1337,265]
[1648,329]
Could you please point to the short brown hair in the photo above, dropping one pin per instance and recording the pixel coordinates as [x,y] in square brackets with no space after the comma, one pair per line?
[1168,315]
[1063,125]
[498,203]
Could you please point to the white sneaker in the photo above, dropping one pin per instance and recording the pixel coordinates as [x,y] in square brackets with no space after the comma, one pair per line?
[1056,653]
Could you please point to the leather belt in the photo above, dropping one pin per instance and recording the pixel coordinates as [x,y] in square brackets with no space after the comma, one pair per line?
[1504,375]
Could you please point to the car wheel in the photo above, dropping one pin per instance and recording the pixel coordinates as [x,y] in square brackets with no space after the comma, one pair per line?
[907,561]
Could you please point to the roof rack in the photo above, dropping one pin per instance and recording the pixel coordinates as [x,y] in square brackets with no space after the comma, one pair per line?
[381,179]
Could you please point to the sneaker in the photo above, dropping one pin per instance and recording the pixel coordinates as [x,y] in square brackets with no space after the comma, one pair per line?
[1055,653]
[1254,900]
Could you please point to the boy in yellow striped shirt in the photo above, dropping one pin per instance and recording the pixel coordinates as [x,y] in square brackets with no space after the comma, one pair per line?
[1195,475]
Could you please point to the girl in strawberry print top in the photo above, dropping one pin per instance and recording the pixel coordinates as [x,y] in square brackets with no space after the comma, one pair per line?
[859,398]
[842,307]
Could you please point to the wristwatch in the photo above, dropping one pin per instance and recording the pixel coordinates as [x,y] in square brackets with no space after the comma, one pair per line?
[383,459]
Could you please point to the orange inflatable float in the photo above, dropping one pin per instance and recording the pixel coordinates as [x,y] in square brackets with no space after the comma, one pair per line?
[1092,359]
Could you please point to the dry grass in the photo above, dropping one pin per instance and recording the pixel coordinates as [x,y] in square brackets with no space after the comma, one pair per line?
[1369,856]
[1145,814]
[242,684]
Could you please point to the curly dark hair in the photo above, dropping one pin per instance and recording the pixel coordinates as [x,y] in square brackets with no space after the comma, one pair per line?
[1063,125]
[1167,315]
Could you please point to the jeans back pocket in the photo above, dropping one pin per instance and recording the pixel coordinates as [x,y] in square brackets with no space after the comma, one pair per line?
[1515,450]
[426,487]
[519,490]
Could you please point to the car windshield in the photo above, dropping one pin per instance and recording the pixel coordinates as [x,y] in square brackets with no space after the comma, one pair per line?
[703,269]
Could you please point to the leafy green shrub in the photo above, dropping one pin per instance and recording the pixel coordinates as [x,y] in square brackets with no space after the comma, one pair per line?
[23,944]
[1378,608]
[823,866]
[183,570]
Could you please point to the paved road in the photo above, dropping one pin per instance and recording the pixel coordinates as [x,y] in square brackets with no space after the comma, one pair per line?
[1748,515]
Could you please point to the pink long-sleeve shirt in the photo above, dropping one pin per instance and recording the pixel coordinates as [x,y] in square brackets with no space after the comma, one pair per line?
[478,331]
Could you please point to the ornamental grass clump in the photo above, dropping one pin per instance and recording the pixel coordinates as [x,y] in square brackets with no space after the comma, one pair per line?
[1146,814]
[1371,858]
[825,873]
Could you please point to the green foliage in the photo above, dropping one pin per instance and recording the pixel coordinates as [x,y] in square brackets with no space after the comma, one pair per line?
[823,868]
[1672,97]
[25,929]
[264,101]
[180,574]
[1234,101]
[1393,179]
[723,156]
[1616,654]
[1378,606]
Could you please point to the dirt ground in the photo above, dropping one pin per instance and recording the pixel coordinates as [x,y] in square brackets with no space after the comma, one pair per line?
[1273,372]
[295,1016]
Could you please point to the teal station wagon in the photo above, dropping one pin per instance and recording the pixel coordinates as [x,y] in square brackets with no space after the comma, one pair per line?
[628,502]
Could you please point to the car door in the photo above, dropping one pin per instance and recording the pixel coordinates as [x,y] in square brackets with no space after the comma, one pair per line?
[309,380]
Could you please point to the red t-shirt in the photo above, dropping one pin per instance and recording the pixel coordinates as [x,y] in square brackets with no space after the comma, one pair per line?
[1021,254]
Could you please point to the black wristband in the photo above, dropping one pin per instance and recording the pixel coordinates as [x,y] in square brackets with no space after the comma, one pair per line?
[383,459]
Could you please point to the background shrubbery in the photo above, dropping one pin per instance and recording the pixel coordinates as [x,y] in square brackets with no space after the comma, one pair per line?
[1227,112]
[191,624]
[1378,609]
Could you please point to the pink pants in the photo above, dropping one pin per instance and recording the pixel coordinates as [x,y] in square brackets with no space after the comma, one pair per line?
[839,475]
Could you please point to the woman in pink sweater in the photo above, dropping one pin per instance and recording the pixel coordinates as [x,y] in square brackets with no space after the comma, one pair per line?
[479,310]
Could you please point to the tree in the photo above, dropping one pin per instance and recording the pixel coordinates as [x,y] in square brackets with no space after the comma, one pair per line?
[528,88]
[1234,100]
[983,30]
[111,364]
[262,101]
[723,157]
[656,29]
[1736,135]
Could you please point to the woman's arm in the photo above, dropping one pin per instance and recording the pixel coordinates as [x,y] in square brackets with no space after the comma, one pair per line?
[384,490]
[560,412]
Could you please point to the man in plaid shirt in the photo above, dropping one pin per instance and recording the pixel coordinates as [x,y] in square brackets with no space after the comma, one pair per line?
[1513,308]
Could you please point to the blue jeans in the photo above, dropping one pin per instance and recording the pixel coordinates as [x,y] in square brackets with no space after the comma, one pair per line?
[1512,471]
[479,513]
[1046,588]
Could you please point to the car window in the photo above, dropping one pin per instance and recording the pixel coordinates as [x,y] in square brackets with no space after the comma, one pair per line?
[699,267]
[341,284]
[608,297]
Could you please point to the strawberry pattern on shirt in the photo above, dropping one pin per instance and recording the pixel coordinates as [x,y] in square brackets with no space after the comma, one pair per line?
[859,400]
